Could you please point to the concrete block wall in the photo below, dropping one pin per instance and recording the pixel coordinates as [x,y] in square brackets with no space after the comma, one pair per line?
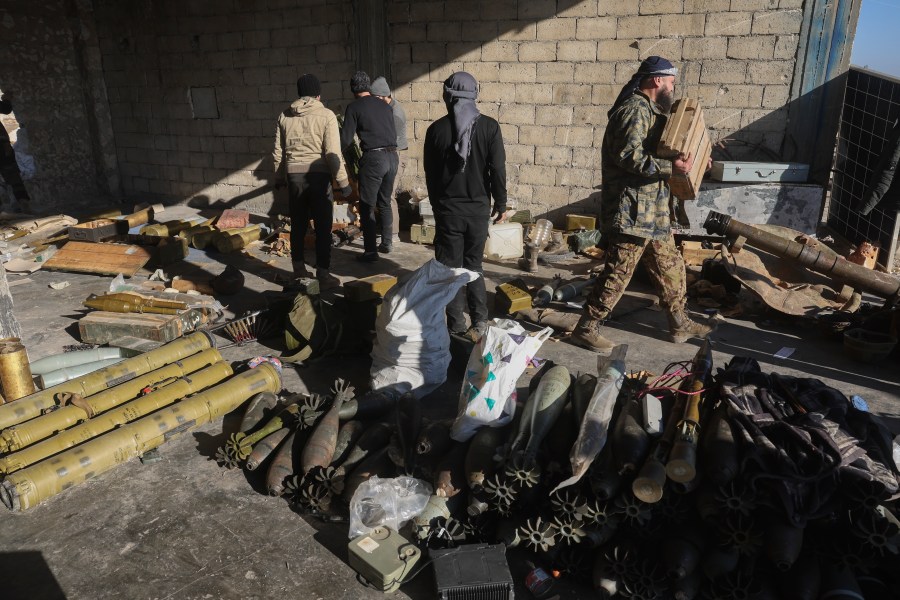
[48,57]
[549,71]
[249,53]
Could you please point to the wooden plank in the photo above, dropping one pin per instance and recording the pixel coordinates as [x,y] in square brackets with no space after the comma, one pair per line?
[100,259]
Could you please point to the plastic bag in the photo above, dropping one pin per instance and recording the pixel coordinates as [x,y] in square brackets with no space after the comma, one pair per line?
[488,394]
[387,502]
[412,345]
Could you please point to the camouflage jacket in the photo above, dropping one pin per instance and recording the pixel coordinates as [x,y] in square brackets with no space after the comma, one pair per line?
[635,193]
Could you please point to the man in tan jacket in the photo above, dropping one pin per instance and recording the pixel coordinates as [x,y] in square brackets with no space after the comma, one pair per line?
[308,154]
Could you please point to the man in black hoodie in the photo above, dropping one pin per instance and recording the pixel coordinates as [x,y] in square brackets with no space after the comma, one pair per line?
[465,168]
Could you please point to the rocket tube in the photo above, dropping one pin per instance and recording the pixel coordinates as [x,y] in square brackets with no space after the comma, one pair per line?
[19,436]
[130,411]
[32,485]
[51,378]
[88,385]
[72,359]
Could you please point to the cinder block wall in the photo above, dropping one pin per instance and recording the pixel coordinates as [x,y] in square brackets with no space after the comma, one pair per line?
[249,55]
[549,70]
[48,60]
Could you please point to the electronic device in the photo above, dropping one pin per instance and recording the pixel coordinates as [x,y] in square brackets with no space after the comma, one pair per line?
[383,557]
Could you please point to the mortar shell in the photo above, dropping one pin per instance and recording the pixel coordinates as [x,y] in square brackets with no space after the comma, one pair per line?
[680,556]
[15,373]
[265,447]
[370,406]
[32,485]
[19,436]
[480,456]
[648,486]
[377,464]
[720,452]
[348,435]
[282,466]
[372,440]
[629,440]
[88,385]
[319,449]
[803,581]
[783,544]
[552,394]
[256,410]
[113,418]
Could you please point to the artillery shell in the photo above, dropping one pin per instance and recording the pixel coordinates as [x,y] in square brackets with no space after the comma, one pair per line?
[720,452]
[630,441]
[257,408]
[371,406]
[378,464]
[450,474]
[282,466]
[348,435]
[319,449]
[480,462]
[783,544]
[550,398]
[650,483]
[266,446]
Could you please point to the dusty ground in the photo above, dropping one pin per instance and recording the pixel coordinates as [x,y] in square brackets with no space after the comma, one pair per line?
[183,528]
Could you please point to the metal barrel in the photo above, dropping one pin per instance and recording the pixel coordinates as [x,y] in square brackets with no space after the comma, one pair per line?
[19,436]
[827,263]
[135,409]
[32,485]
[73,359]
[88,385]
[15,374]
[51,378]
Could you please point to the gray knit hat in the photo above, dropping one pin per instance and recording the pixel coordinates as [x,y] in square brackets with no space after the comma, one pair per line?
[380,87]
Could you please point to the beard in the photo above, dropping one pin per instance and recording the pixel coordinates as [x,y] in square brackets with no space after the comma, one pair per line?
[665,99]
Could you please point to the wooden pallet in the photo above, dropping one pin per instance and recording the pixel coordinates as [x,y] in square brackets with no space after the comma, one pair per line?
[100,259]
[685,133]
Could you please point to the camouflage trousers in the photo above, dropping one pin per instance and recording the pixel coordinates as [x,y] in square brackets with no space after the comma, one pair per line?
[663,262]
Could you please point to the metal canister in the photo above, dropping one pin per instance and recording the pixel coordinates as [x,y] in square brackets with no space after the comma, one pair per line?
[15,372]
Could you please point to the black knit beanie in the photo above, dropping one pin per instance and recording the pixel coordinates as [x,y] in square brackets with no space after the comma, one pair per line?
[308,85]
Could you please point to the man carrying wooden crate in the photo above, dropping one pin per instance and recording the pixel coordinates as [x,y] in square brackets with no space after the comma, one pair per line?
[635,207]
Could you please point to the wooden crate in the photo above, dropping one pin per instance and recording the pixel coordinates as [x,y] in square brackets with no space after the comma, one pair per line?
[97,230]
[685,133]
[100,259]
[101,327]
[694,253]
[373,287]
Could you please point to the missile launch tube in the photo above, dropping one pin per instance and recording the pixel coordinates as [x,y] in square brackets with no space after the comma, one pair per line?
[32,485]
[19,436]
[181,388]
[73,359]
[51,378]
[829,264]
[31,406]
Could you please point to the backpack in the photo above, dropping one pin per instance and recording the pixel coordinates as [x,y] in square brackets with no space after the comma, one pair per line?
[313,328]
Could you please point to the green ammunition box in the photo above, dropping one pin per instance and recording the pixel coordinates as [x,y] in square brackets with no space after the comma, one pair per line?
[422,233]
[512,296]
[579,222]
[373,287]
[383,557]
[100,327]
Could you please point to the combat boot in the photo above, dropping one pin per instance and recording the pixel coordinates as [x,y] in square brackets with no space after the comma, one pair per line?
[299,268]
[327,281]
[557,244]
[587,335]
[682,328]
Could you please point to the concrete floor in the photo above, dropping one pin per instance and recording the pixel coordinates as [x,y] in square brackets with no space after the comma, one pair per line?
[184,528]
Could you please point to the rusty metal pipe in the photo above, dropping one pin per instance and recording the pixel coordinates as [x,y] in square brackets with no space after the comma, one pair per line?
[830,265]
